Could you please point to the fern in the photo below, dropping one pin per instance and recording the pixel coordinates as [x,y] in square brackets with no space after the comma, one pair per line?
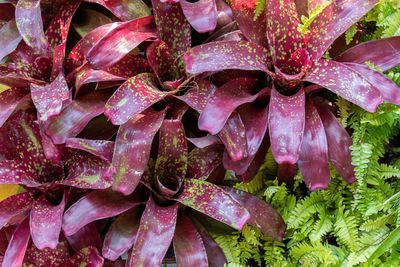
[311,253]
[260,8]
[313,14]
[305,209]
[346,229]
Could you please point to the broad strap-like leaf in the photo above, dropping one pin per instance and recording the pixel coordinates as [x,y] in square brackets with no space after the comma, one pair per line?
[100,148]
[202,15]
[218,56]
[96,205]
[15,252]
[162,61]
[383,53]
[203,161]
[313,162]
[18,75]
[121,235]
[156,230]
[45,222]
[119,41]
[13,206]
[225,100]
[347,83]
[290,112]
[133,97]
[10,38]
[339,143]
[87,236]
[87,75]
[334,20]
[188,244]
[132,149]
[9,100]
[205,141]
[28,17]
[213,201]
[263,215]
[172,152]
[85,257]
[47,257]
[125,9]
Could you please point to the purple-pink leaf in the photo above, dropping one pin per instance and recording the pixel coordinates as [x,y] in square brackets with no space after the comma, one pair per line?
[96,205]
[125,9]
[224,101]
[351,85]
[122,234]
[9,100]
[384,53]
[87,236]
[217,56]
[45,222]
[47,257]
[263,215]
[15,252]
[288,111]
[313,162]
[156,230]
[203,161]
[13,206]
[213,201]
[100,148]
[74,118]
[88,75]
[162,61]
[132,149]
[188,244]
[85,257]
[16,172]
[205,141]
[133,97]
[10,38]
[119,41]
[202,15]
[28,17]
[18,75]
[339,143]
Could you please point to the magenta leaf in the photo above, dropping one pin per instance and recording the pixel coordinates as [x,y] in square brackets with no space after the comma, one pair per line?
[122,234]
[15,252]
[47,257]
[224,101]
[172,152]
[224,55]
[288,111]
[384,53]
[213,201]
[13,206]
[100,148]
[18,75]
[205,141]
[74,118]
[88,75]
[96,205]
[45,222]
[202,15]
[87,236]
[162,61]
[263,215]
[16,172]
[286,173]
[125,9]
[188,244]
[9,100]
[313,162]
[28,17]
[351,85]
[133,97]
[85,257]
[120,41]
[156,230]
[339,143]
[203,161]
[10,38]
[132,149]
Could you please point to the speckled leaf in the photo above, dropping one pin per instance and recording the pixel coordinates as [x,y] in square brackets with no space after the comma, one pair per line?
[87,236]
[96,205]
[224,101]
[121,235]
[205,141]
[213,201]
[203,161]
[133,97]
[28,17]
[188,244]
[88,172]
[339,143]
[9,99]
[15,252]
[48,257]
[18,75]
[347,83]
[313,161]
[254,30]
[384,53]
[156,230]
[74,118]
[14,205]
[174,31]
[125,9]
[87,75]
[288,111]
[100,148]
[263,215]
[132,149]
[17,172]
[283,36]
[85,257]
[217,56]
[233,136]
[333,21]
[49,99]
[119,41]
[202,15]
[172,152]
[10,38]
[162,61]
[45,222]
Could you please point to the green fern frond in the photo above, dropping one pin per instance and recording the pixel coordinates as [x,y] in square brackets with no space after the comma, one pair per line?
[346,229]
[377,223]
[260,8]
[350,33]
[322,226]
[305,209]
[313,14]
[310,253]
[344,110]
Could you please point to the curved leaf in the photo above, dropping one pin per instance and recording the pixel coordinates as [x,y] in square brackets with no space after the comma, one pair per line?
[205,141]
[10,38]
[47,257]
[100,148]
[85,257]
[14,205]
[87,236]
[9,100]
[202,15]
[162,61]
[16,248]
[125,9]
[203,161]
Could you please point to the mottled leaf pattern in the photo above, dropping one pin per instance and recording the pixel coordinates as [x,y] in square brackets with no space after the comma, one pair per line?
[125,9]
[100,148]
[9,99]
[48,257]
[202,15]
[162,61]
[203,161]
[16,248]
[87,236]
[85,257]
[10,38]
[14,205]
